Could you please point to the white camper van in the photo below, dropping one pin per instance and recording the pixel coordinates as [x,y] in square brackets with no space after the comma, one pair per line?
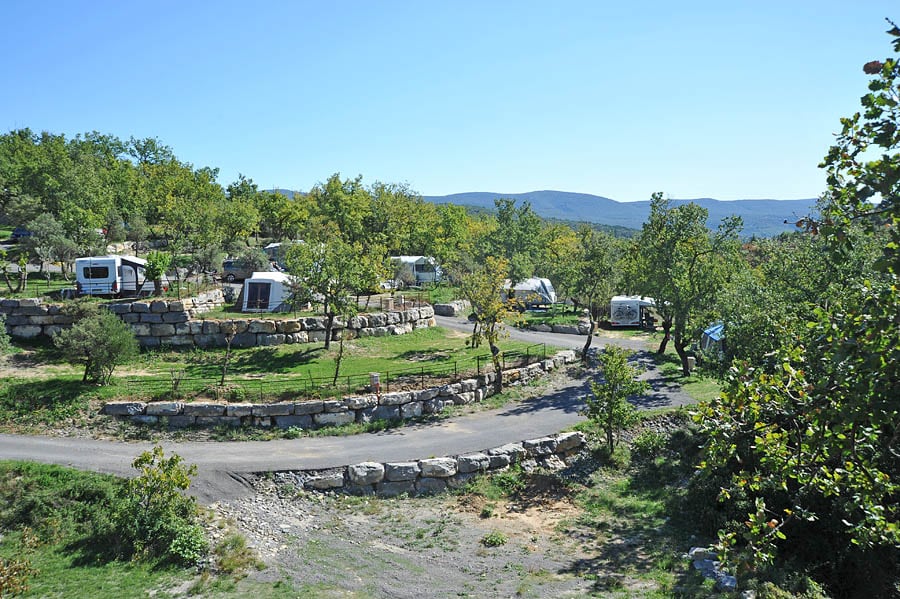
[630,310]
[533,292]
[113,275]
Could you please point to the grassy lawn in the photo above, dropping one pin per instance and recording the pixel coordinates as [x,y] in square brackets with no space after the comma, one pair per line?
[53,391]
[699,385]
[49,522]
[556,314]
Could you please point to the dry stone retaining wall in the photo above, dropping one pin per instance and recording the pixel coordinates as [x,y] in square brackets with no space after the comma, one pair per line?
[435,475]
[400,405]
[175,323]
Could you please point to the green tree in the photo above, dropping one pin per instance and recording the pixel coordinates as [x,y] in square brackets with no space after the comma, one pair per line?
[4,339]
[328,273]
[679,263]
[592,274]
[483,287]
[608,405]
[99,340]
[814,443]
[516,238]
[154,517]
[157,264]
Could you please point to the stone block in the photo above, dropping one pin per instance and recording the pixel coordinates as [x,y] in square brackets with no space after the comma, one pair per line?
[393,489]
[426,394]
[164,408]
[397,471]
[473,462]
[63,319]
[431,486]
[140,307]
[412,409]
[498,461]
[274,339]
[438,467]
[130,318]
[395,399]
[144,419]
[514,451]
[159,306]
[333,405]
[288,326]
[210,340]
[460,480]
[180,340]
[316,336]
[204,409]
[174,317]
[210,327]
[360,402]
[539,447]
[162,330]
[314,324]
[300,337]
[261,326]
[119,308]
[334,418]
[213,421]
[244,340]
[124,408]
[379,413]
[176,306]
[568,441]
[303,421]
[239,409]
[53,329]
[273,409]
[325,480]
[309,407]
[182,421]
[365,473]
[25,331]
[151,318]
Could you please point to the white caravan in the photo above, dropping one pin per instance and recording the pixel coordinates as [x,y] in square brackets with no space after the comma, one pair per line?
[267,292]
[630,310]
[113,276]
[533,292]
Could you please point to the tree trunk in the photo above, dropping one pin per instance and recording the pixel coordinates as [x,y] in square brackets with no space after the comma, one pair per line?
[498,368]
[587,343]
[228,340]
[678,341]
[666,327]
[337,360]
[329,323]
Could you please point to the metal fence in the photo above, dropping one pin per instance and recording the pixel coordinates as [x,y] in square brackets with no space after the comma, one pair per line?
[272,387]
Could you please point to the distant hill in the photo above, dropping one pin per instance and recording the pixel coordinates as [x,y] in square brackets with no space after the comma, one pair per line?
[762,218]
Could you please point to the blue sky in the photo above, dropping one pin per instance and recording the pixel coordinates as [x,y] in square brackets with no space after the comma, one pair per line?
[728,100]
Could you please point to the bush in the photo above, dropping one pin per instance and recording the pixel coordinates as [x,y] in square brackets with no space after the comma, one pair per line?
[100,341]
[154,517]
[647,445]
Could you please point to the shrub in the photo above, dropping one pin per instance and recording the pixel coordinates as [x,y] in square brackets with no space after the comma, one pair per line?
[495,538]
[647,444]
[154,517]
[100,341]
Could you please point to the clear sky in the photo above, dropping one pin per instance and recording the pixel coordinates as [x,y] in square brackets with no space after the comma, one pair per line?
[723,99]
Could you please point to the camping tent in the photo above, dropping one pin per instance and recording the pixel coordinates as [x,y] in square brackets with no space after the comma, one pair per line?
[266,292]
[713,339]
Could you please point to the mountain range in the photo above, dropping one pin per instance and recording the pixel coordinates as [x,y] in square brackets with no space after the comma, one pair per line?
[762,218]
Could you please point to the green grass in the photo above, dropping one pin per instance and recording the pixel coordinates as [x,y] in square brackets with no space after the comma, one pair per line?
[49,516]
[557,314]
[698,385]
[443,294]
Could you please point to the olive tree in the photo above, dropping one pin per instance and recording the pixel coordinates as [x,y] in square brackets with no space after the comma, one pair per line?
[99,340]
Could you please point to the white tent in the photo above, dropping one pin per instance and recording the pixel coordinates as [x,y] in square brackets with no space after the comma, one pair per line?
[267,292]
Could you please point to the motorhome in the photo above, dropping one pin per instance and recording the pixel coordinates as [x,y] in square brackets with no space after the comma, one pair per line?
[630,310]
[113,275]
[532,293]
[425,268]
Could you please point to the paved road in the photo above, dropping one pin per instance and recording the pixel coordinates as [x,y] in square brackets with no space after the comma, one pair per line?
[222,466]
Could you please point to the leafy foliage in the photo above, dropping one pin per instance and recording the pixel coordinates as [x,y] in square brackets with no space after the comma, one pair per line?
[154,516]
[99,340]
[608,405]
[813,443]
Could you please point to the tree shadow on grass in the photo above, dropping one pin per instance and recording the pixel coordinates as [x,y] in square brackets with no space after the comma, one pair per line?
[31,396]
[270,359]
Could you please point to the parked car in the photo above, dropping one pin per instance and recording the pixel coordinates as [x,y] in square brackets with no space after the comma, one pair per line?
[233,270]
[21,233]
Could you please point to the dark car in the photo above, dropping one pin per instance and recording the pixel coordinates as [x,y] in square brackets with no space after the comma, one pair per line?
[21,233]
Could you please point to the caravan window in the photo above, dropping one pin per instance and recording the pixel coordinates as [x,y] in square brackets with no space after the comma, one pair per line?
[95,272]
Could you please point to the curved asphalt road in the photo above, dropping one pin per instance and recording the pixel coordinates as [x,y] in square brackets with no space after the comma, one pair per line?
[221,466]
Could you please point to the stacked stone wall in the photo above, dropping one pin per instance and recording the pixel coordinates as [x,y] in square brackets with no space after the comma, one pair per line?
[179,323]
[311,414]
[435,475]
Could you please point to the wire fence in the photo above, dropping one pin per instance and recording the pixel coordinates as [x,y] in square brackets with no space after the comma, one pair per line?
[268,387]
